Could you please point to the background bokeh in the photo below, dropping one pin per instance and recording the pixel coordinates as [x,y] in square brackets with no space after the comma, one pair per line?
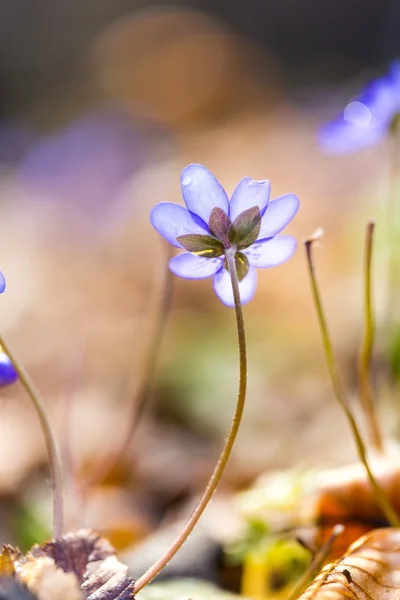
[101,106]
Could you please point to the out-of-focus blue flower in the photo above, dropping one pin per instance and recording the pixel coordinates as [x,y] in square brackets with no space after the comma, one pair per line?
[368,118]
[8,374]
[86,164]
[212,223]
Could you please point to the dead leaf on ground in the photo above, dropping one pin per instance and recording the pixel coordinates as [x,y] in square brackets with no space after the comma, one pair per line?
[79,565]
[369,570]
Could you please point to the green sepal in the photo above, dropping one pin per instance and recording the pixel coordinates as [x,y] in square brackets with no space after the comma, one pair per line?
[245,228]
[219,225]
[202,245]
[394,126]
[242,265]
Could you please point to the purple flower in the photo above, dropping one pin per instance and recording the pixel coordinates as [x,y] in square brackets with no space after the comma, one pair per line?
[368,118]
[8,374]
[86,164]
[211,224]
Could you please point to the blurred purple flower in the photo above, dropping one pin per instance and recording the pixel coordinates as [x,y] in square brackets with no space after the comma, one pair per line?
[86,163]
[8,374]
[15,141]
[368,118]
[211,224]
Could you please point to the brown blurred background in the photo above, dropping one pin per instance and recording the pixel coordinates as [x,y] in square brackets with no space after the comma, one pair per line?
[101,106]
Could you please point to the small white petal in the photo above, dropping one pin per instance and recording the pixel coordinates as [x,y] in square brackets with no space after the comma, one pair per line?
[249,193]
[278,214]
[190,266]
[202,192]
[271,253]
[172,220]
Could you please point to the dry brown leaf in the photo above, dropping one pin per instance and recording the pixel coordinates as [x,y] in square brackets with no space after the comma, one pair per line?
[79,565]
[345,496]
[369,570]
[7,557]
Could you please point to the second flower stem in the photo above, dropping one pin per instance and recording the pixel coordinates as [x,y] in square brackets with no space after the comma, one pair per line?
[380,495]
[52,450]
[137,408]
[364,361]
[226,452]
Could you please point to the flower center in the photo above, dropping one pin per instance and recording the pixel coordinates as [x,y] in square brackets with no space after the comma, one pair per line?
[225,235]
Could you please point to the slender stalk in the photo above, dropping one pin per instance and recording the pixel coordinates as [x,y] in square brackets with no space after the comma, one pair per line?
[364,362]
[140,398]
[316,562]
[226,452]
[380,495]
[52,450]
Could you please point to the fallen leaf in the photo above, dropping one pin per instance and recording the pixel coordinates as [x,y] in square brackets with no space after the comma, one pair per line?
[78,565]
[369,570]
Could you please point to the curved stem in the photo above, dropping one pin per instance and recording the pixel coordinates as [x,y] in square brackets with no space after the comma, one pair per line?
[380,495]
[52,450]
[364,363]
[316,562]
[139,402]
[224,457]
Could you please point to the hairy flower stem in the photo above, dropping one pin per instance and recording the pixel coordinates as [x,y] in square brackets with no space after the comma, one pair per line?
[316,562]
[52,450]
[364,362]
[381,498]
[139,400]
[224,457]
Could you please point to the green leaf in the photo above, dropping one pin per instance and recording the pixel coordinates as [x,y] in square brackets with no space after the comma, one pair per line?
[245,228]
[203,245]
[219,225]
